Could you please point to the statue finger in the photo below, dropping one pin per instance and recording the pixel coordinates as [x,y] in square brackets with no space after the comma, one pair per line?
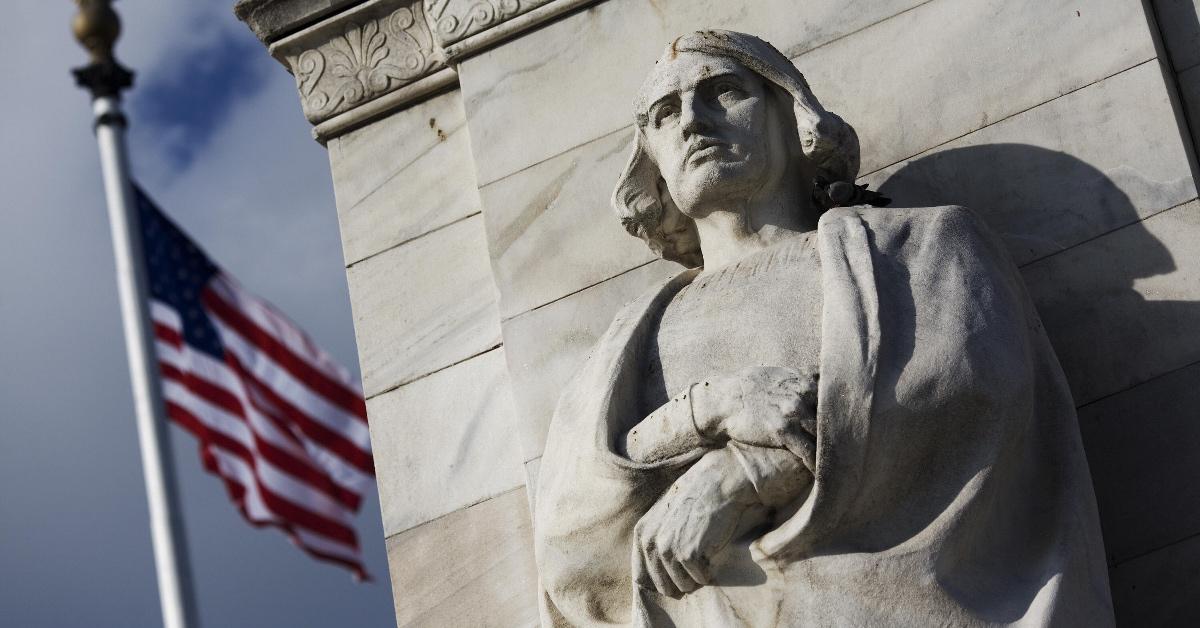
[660,580]
[697,569]
[641,575]
[803,446]
[683,581]
[641,539]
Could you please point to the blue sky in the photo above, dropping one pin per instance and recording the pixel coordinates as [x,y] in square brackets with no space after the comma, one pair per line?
[218,140]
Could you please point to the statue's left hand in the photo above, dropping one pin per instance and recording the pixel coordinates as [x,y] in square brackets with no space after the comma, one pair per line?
[675,541]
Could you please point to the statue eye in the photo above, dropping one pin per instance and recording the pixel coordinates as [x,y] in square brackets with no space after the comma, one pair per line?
[726,91]
[663,112]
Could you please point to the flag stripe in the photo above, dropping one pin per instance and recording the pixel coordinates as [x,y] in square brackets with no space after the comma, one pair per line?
[265,370]
[265,316]
[304,540]
[327,438]
[234,426]
[264,507]
[219,375]
[267,477]
[321,432]
[273,498]
[273,430]
[337,393]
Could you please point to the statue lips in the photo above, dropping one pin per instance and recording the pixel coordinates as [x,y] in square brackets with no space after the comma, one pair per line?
[703,149]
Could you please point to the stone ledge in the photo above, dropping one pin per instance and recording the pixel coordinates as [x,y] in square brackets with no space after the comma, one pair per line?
[272,19]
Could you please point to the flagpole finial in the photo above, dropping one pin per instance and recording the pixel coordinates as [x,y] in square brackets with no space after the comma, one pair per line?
[96,27]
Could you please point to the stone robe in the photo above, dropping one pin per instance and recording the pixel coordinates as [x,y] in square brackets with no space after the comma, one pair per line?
[950,486]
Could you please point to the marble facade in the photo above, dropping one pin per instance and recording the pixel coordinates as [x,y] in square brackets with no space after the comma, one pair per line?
[473,146]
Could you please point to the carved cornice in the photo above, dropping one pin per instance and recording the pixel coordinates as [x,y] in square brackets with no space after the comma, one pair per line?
[384,52]
[361,55]
[454,20]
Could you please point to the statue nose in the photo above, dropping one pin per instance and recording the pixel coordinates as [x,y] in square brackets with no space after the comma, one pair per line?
[692,119]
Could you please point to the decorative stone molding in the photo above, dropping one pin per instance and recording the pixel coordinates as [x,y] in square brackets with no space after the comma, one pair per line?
[272,19]
[365,59]
[455,20]
[358,56]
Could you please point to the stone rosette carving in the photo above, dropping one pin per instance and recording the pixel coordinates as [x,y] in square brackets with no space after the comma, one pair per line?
[375,49]
[454,20]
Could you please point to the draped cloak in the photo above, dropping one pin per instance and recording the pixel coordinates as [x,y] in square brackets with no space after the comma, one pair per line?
[950,485]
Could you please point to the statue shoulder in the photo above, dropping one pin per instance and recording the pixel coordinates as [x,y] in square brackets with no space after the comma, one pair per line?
[942,221]
[944,214]
[949,230]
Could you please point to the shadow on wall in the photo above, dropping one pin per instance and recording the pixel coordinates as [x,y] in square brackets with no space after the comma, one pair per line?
[1081,247]
[1085,256]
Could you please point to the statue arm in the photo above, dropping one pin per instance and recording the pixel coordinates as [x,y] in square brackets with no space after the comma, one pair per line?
[769,407]
[674,428]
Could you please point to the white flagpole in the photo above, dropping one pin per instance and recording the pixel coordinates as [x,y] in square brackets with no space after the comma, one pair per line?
[97,27]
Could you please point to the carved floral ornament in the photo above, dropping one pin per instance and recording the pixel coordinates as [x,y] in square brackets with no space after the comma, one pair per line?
[366,59]
[382,45]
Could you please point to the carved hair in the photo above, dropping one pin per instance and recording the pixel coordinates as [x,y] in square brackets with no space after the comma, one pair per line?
[828,141]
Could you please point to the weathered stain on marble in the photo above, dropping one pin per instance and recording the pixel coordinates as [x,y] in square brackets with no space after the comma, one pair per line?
[397,179]
[483,553]
[558,208]
[411,323]
[445,442]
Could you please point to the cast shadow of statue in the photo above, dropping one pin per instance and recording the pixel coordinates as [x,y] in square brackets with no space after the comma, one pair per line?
[1078,240]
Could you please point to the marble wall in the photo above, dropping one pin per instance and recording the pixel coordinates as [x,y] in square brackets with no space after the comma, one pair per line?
[451,484]
[1057,121]
[484,260]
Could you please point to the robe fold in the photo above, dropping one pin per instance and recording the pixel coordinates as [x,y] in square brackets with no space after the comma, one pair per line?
[950,486]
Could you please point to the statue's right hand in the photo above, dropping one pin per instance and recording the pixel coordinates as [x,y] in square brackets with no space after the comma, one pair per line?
[675,542]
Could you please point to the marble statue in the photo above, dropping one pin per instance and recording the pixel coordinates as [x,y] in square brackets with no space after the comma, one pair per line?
[839,414]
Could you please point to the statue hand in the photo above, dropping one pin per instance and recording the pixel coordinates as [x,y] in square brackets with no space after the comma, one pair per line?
[766,406]
[675,541]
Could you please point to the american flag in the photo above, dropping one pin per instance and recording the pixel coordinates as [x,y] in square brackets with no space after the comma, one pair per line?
[279,421]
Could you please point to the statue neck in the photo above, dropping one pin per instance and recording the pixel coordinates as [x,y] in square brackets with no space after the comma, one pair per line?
[732,232]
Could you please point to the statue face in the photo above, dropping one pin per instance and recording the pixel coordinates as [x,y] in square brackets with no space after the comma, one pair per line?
[714,130]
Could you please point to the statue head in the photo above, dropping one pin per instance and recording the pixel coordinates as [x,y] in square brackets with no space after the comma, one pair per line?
[724,114]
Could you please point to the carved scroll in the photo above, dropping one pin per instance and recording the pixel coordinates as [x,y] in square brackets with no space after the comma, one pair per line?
[454,20]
